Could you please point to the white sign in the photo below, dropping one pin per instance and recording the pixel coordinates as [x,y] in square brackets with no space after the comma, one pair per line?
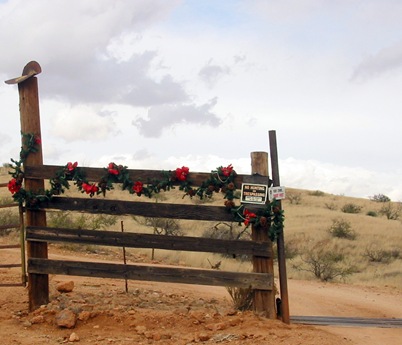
[276,193]
[252,193]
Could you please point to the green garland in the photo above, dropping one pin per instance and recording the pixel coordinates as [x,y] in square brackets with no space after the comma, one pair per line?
[220,180]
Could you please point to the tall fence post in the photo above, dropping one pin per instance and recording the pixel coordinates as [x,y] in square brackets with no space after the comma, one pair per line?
[38,284]
[263,300]
[281,240]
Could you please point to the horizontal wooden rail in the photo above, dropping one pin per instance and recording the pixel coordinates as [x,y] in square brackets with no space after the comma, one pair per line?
[9,226]
[4,184]
[9,246]
[95,174]
[9,265]
[9,205]
[11,284]
[136,240]
[261,281]
[138,208]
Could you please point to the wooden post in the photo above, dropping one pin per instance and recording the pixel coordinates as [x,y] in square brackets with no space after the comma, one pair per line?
[280,241]
[38,284]
[263,300]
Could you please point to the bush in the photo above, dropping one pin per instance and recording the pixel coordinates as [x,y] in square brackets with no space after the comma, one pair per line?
[294,198]
[164,226]
[341,228]
[242,298]
[391,211]
[317,193]
[380,198]
[324,263]
[227,231]
[374,254]
[351,208]
[372,213]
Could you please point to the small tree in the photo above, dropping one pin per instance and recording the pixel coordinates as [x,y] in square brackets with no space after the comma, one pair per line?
[380,198]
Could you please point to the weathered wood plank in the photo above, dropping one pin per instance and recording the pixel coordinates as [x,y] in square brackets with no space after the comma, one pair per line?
[9,265]
[137,240]
[10,246]
[145,209]
[9,205]
[95,174]
[9,226]
[151,273]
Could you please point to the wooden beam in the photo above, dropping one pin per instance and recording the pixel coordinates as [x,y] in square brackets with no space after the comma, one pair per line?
[136,240]
[95,174]
[263,301]
[151,273]
[38,284]
[138,208]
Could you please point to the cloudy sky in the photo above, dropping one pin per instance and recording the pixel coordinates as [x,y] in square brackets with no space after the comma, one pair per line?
[158,84]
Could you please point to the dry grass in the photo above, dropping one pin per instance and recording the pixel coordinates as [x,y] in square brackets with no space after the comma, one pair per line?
[306,223]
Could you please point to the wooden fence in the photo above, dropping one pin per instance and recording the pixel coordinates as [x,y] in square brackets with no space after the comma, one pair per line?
[41,234]
[38,235]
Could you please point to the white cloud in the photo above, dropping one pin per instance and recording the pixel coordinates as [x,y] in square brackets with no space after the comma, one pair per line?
[81,123]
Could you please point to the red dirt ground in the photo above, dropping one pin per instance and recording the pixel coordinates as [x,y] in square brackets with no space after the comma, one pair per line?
[157,313]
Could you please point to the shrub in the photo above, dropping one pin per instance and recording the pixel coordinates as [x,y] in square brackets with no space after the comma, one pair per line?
[164,226]
[374,254]
[242,298]
[351,208]
[380,198]
[294,198]
[227,231]
[317,193]
[341,228]
[372,213]
[391,211]
[324,263]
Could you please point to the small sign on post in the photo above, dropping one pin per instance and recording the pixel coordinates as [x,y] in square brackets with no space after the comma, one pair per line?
[277,193]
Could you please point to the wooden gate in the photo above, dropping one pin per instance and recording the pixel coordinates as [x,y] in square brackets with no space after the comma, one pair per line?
[38,235]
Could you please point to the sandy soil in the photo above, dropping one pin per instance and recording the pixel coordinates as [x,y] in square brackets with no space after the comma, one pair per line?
[156,313]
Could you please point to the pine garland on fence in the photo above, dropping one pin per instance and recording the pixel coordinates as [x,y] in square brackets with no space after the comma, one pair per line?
[221,180]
